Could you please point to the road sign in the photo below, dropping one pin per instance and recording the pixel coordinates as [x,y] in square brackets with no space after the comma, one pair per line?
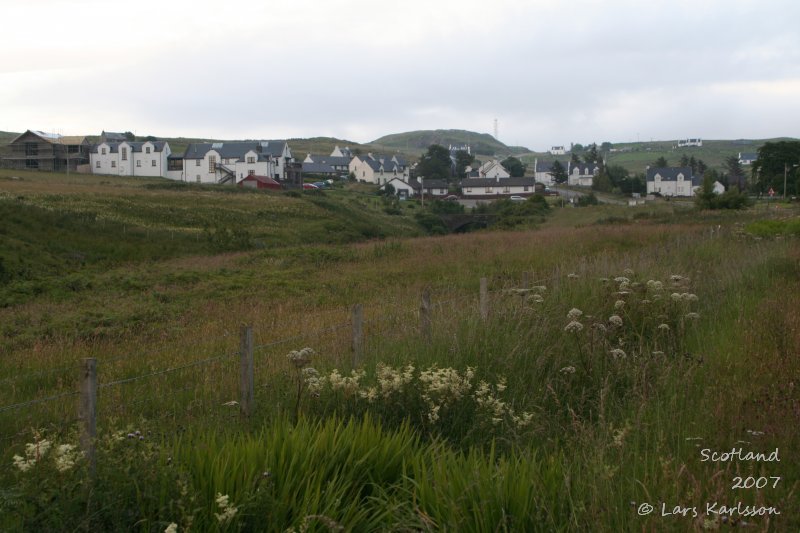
[771,192]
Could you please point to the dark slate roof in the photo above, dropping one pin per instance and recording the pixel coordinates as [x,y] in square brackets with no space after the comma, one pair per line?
[671,174]
[236,150]
[434,184]
[319,168]
[494,182]
[330,160]
[112,136]
[584,169]
[113,147]
[547,166]
[748,156]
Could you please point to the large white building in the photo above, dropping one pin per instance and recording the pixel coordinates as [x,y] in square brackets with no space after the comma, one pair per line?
[231,162]
[128,158]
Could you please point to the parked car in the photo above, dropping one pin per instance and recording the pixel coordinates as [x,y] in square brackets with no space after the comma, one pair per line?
[309,186]
[450,198]
[517,198]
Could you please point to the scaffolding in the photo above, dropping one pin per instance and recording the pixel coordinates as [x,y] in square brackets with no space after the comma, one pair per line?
[36,150]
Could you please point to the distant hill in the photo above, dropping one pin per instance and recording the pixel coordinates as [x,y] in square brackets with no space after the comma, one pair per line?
[416,142]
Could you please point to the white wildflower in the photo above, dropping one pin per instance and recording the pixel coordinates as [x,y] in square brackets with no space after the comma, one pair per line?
[23,464]
[231,403]
[675,278]
[658,353]
[300,358]
[314,382]
[537,298]
[619,304]
[622,279]
[228,510]
[624,286]
[172,528]
[675,297]
[574,314]
[615,320]
[628,272]
[600,327]
[618,354]
[663,327]
[522,421]
[348,384]
[573,327]
[572,276]
[692,316]
[539,288]
[567,370]
[370,394]
[433,414]
[65,457]
[689,297]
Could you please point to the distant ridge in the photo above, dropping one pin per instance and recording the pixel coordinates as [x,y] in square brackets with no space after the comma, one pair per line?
[418,141]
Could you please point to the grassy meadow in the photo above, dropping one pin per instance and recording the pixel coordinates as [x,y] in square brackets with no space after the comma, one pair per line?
[619,344]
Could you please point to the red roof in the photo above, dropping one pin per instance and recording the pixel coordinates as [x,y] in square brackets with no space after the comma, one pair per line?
[264,181]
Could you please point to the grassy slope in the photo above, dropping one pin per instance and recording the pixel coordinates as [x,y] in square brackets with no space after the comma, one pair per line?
[713,153]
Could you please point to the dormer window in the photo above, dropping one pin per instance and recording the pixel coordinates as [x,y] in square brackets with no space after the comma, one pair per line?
[251,159]
[680,177]
[147,149]
[658,177]
[102,151]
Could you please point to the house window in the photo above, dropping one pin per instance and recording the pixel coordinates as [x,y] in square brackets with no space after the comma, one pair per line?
[525,189]
[147,150]
[197,162]
[251,159]
[153,163]
[469,189]
[138,162]
[489,190]
[113,164]
[124,154]
[102,151]
[251,172]
[212,163]
[506,190]
[97,165]
[198,178]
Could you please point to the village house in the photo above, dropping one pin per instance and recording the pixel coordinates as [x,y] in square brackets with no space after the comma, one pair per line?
[493,188]
[259,182]
[747,158]
[38,150]
[493,169]
[671,181]
[403,189]
[328,166]
[558,150]
[543,171]
[379,169]
[435,188]
[231,162]
[582,174]
[128,158]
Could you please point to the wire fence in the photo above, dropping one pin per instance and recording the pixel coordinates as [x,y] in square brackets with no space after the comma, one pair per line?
[198,388]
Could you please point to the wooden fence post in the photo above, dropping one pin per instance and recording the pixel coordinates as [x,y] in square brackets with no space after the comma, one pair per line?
[358,333]
[425,315]
[246,393]
[87,410]
[484,299]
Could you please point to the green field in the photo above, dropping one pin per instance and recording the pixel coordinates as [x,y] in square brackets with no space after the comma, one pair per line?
[616,345]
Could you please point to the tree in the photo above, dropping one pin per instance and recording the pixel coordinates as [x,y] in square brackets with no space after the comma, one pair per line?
[129,136]
[684,160]
[575,158]
[514,166]
[463,160]
[693,164]
[775,159]
[558,172]
[435,163]
[602,182]
[661,162]
[704,198]
[701,167]
[606,146]
[591,154]
[735,173]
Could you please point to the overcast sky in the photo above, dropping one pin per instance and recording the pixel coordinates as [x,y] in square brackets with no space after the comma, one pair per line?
[551,72]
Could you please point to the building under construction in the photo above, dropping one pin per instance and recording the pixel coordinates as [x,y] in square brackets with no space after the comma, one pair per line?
[37,150]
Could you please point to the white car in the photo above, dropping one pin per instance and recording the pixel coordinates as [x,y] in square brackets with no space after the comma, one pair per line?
[517,198]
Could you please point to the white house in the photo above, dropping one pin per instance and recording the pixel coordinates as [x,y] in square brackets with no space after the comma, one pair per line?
[328,165]
[493,169]
[672,181]
[231,162]
[496,187]
[582,174]
[128,158]
[683,143]
[746,158]
[379,169]
[543,171]
[403,189]
[435,188]
[558,150]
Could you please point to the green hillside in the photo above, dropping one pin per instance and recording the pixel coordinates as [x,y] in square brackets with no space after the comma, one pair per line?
[416,142]
[637,156]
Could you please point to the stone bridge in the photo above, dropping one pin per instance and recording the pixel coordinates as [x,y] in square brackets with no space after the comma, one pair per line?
[466,222]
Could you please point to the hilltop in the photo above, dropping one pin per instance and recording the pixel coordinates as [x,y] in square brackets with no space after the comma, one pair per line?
[416,142]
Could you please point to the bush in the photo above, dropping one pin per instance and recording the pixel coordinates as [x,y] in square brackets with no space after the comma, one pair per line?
[587,200]
[432,224]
